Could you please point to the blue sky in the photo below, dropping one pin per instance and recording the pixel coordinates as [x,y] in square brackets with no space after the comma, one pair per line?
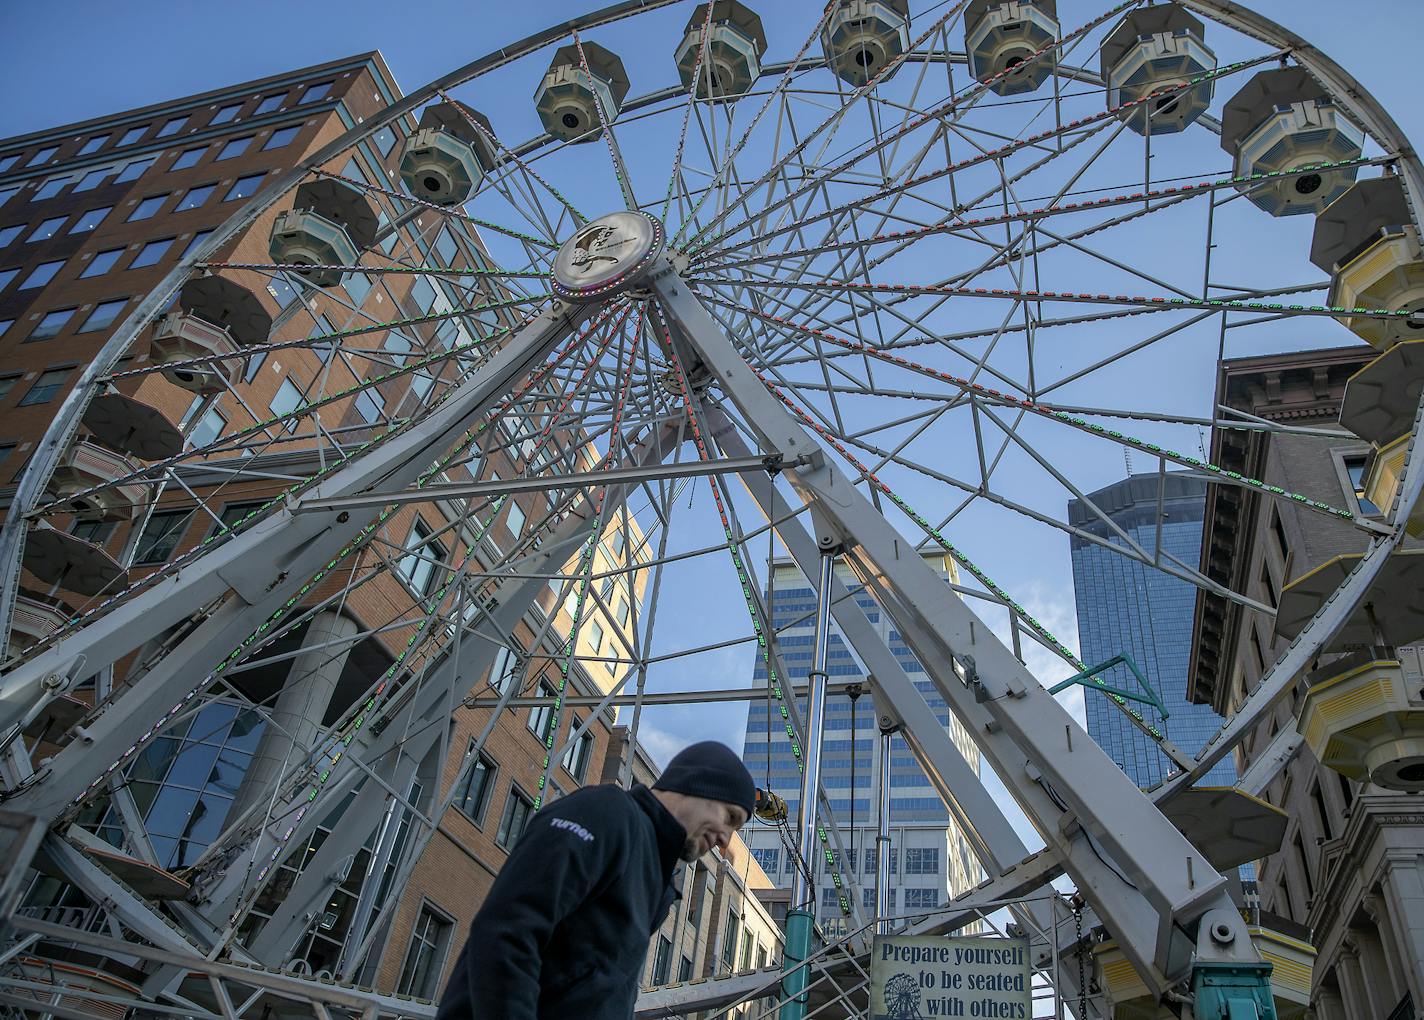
[146,51]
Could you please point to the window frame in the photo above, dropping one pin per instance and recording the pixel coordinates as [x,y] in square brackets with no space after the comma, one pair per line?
[51,388]
[79,224]
[89,273]
[67,313]
[185,519]
[235,192]
[290,131]
[205,190]
[490,767]
[516,797]
[165,242]
[225,154]
[58,222]
[57,265]
[439,952]
[85,326]
[231,110]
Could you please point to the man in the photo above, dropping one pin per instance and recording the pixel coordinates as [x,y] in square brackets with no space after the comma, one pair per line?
[564,931]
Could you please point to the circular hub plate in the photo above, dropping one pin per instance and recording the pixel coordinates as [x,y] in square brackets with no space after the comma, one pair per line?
[607,256]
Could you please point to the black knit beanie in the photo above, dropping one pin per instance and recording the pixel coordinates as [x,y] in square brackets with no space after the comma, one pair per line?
[710,770]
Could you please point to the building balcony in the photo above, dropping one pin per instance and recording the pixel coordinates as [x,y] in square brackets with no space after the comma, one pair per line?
[1364,721]
[180,337]
[86,465]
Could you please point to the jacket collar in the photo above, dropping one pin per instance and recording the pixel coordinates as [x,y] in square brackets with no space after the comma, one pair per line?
[668,830]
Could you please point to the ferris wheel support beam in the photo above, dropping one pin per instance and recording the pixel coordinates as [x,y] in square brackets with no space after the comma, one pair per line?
[263,567]
[1151,886]
[995,842]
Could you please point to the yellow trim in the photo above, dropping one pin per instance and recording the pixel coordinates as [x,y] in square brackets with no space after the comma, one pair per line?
[1316,689]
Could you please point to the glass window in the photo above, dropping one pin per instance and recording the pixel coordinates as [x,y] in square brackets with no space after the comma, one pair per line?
[244,187]
[103,315]
[147,208]
[385,140]
[921,860]
[6,162]
[662,961]
[91,219]
[622,612]
[504,668]
[198,239]
[102,263]
[369,404]
[475,792]
[287,400]
[516,815]
[353,170]
[8,234]
[1355,469]
[282,290]
[322,327]
[43,156]
[7,275]
[188,157]
[269,103]
[209,427]
[236,147]
[7,382]
[595,636]
[133,134]
[253,366]
[315,92]
[281,137]
[446,248]
[420,565]
[172,127]
[357,285]
[540,716]
[92,179]
[577,757]
[93,145]
[42,274]
[47,229]
[921,899]
[45,387]
[423,294]
[8,193]
[134,170]
[51,324]
[195,197]
[50,188]
[161,536]
[425,957]
[96,532]
[515,520]
[226,114]
[151,253]
[729,940]
[233,514]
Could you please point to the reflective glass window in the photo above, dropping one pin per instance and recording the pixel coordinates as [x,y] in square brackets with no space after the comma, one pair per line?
[188,157]
[89,220]
[51,324]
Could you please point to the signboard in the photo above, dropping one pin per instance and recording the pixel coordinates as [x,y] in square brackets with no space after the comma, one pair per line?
[917,976]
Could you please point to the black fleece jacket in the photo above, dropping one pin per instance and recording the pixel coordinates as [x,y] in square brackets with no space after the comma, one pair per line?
[564,931]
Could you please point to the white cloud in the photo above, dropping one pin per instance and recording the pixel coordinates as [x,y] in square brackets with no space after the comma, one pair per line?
[1053,607]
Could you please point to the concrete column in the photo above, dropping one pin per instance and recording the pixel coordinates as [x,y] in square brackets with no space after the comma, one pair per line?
[1383,934]
[1328,1006]
[300,707]
[1375,1000]
[1352,985]
[1403,894]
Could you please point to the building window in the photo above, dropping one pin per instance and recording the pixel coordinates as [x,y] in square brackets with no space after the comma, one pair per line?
[101,263]
[268,104]
[51,324]
[542,715]
[662,961]
[92,179]
[93,145]
[475,793]
[425,957]
[133,134]
[209,427]
[45,387]
[315,92]
[234,513]
[188,158]
[6,276]
[516,815]
[147,208]
[385,140]
[281,137]
[5,325]
[6,162]
[226,114]
[91,219]
[595,636]
[47,229]
[684,969]
[622,612]
[420,565]
[234,148]
[195,197]
[515,520]
[8,234]
[287,400]
[172,127]
[1355,472]
[151,253]
[94,532]
[42,274]
[50,188]
[135,170]
[921,899]
[729,940]
[43,156]
[7,383]
[161,536]
[577,757]
[769,858]
[198,239]
[921,860]
[103,315]
[244,187]
[506,663]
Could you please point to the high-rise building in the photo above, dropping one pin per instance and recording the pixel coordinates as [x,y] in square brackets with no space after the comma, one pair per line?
[931,860]
[1131,609]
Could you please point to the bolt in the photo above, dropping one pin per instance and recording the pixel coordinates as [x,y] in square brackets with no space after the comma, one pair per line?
[52,681]
[1222,933]
[343,517]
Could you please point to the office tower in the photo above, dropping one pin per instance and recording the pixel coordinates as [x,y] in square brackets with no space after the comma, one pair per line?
[930,859]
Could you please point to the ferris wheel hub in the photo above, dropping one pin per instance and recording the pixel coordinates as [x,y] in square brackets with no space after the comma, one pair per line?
[607,256]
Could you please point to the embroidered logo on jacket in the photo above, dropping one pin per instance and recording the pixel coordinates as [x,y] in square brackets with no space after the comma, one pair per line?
[574,827]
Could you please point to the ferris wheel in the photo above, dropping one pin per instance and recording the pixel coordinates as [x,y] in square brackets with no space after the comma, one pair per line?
[861,283]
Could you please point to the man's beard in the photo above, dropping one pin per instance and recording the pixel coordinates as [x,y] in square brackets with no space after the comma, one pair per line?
[690,851]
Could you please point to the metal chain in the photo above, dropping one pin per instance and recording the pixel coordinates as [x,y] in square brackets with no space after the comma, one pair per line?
[1078,941]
